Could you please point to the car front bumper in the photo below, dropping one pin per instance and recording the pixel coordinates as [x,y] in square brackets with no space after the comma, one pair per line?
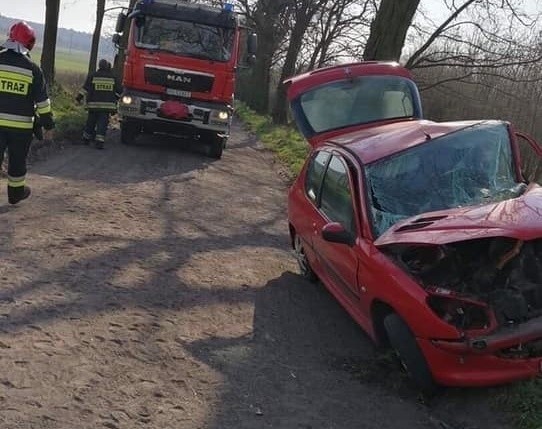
[509,354]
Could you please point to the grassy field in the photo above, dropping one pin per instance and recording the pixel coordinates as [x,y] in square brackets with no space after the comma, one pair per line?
[66,61]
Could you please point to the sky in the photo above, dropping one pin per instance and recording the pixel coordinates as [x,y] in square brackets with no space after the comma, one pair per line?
[80,14]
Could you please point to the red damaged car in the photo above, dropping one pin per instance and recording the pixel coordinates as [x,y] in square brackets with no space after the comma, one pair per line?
[427,233]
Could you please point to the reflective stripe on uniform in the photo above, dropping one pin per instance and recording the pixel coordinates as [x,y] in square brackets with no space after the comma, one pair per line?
[43,107]
[103,83]
[15,80]
[16,121]
[101,105]
[16,182]
[14,83]
[15,69]
[100,138]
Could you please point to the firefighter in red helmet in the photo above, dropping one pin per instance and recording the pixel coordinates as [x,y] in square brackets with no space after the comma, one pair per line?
[23,97]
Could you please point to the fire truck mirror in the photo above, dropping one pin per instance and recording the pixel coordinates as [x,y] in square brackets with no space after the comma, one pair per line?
[121,20]
[116,39]
[252,45]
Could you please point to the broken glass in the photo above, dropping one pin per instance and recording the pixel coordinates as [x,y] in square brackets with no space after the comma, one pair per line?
[468,167]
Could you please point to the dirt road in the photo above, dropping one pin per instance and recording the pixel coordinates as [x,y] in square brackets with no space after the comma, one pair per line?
[150,287]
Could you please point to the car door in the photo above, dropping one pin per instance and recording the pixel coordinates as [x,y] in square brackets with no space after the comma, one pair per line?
[339,261]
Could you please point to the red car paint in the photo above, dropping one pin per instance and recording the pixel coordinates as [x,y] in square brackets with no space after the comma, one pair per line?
[361,271]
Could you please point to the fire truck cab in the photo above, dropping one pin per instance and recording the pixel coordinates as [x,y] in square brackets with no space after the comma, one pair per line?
[179,71]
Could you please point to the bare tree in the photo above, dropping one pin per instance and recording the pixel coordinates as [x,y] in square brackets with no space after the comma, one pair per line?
[49,40]
[303,12]
[270,18]
[96,36]
[389,29]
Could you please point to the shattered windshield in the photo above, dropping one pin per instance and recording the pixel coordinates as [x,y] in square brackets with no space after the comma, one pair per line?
[357,101]
[468,167]
[186,38]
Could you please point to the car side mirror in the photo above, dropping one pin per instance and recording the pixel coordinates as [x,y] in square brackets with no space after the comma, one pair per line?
[334,232]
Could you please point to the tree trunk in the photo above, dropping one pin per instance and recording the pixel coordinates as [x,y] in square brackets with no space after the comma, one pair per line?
[389,28]
[49,40]
[280,110]
[269,16]
[258,96]
[100,10]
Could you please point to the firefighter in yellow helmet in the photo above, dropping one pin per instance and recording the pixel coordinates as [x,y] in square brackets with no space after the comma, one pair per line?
[101,91]
[23,96]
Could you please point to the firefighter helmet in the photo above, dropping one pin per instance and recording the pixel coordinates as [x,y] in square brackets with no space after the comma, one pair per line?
[24,34]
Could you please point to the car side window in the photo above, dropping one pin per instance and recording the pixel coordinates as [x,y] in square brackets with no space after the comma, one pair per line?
[315,172]
[336,198]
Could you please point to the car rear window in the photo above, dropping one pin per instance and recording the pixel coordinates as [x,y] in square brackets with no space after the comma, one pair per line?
[358,101]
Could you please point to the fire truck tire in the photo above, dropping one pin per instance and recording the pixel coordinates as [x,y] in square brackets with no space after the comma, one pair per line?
[128,132]
[216,146]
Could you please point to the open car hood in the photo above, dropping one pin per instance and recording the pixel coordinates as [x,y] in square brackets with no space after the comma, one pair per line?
[519,218]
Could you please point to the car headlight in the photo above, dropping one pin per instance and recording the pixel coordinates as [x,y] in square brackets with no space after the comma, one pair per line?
[126,99]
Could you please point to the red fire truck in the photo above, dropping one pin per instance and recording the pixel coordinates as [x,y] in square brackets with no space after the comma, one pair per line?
[179,71]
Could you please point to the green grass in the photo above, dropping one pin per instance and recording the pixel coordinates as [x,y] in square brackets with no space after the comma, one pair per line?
[69,117]
[524,401]
[66,61]
[288,144]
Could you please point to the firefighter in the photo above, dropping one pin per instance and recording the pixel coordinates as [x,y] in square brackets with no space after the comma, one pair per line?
[23,95]
[101,91]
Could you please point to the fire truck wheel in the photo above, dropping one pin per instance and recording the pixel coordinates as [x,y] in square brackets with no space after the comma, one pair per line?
[216,147]
[129,132]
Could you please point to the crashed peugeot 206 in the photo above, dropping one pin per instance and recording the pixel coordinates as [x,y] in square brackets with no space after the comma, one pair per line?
[427,233]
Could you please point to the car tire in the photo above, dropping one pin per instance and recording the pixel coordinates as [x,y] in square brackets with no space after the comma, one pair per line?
[302,261]
[129,132]
[406,347]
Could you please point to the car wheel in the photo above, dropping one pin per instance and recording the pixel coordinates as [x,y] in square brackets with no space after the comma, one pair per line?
[128,132]
[412,360]
[304,266]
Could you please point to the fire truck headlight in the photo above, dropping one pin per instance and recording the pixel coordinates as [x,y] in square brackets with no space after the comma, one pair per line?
[126,99]
[223,115]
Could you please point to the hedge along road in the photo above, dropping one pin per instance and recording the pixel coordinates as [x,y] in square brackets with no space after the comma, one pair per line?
[149,286]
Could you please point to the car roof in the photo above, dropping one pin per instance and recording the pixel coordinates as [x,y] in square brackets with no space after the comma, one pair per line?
[374,143]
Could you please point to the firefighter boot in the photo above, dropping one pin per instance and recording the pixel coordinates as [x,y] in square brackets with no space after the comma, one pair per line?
[19,193]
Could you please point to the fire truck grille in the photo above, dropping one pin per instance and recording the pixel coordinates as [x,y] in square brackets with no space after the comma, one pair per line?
[184,81]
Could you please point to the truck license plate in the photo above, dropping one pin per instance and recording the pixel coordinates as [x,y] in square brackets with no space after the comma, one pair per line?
[178,92]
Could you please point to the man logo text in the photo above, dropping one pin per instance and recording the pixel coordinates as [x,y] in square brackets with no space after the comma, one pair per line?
[179,78]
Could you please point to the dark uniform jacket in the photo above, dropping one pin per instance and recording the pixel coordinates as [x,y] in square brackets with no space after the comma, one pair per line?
[23,93]
[102,91]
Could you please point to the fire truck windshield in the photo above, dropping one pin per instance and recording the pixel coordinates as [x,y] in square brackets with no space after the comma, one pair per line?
[185,38]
